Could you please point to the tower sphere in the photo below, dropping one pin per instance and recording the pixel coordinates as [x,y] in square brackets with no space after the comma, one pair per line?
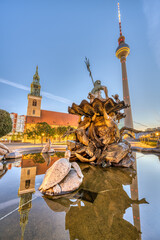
[123,49]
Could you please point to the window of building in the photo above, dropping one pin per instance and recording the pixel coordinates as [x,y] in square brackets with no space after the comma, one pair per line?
[28,171]
[27,184]
[34,103]
[33,111]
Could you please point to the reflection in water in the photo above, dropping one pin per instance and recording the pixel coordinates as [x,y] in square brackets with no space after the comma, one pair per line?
[7,165]
[134,196]
[158,155]
[96,210]
[39,160]
[25,205]
[32,165]
[3,171]
[26,188]
[47,158]
[27,180]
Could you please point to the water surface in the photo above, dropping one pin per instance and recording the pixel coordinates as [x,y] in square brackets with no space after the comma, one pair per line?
[112,203]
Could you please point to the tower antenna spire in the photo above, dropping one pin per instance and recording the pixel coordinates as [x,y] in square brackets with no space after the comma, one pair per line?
[122,52]
[119,17]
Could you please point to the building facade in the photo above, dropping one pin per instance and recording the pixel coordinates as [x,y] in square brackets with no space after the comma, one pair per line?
[36,115]
[34,98]
[21,121]
[14,121]
[18,123]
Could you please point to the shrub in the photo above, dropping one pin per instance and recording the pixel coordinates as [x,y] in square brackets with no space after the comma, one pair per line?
[5,123]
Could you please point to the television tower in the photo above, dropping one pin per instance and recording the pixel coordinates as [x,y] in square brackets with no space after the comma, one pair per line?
[122,52]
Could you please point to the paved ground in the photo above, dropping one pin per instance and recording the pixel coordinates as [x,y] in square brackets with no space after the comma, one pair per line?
[14,146]
[33,148]
[139,144]
[29,147]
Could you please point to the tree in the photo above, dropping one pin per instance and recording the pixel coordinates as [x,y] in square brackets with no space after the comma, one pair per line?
[60,131]
[31,134]
[5,123]
[53,132]
[43,129]
[19,136]
[13,137]
[72,135]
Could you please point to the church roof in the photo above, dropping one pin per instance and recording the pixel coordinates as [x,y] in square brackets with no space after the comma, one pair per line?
[54,118]
[41,167]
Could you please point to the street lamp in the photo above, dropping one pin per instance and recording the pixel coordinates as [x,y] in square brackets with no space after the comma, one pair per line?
[158,140]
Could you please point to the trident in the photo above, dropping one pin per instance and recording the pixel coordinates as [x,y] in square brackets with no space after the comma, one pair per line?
[88,68]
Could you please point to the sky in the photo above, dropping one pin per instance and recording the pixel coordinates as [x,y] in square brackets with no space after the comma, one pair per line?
[56,35]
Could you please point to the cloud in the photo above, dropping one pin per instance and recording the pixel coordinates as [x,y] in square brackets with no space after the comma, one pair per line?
[44,94]
[16,85]
[56,98]
[152,12]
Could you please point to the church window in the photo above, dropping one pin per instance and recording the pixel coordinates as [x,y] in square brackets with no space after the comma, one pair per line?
[34,103]
[33,111]
[27,184]
[28,172]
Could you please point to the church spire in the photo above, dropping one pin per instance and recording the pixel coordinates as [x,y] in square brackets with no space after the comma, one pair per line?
[35,85]
[34,97]
[36,76]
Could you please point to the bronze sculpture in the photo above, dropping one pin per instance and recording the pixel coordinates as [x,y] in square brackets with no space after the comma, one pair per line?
[96,91]
[98,139]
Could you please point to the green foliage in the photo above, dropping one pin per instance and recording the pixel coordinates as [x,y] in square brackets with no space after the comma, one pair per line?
[19,136]
[35,157]
[5,123]
[31,133]
[59,154]
[43,128]
[40,130]
[152,144]
[13,138]
[60,131]
[53,132]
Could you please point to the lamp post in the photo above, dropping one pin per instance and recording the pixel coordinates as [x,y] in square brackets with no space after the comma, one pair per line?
[158,140]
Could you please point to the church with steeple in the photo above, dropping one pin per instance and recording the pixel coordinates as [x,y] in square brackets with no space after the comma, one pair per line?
[36,115]
[34,98]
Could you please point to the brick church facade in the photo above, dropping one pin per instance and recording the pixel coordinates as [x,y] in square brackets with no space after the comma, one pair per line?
[35,114]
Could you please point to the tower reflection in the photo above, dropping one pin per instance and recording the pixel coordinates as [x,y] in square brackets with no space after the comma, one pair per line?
[27,187]
[31,165]
[25,205]
[96,210]
[134,196]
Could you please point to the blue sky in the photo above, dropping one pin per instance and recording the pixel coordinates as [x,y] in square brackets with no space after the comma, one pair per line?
[58,34]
